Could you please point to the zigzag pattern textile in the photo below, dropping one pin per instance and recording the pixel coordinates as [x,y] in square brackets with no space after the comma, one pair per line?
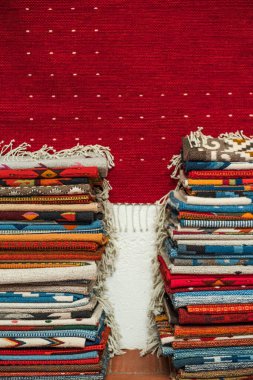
[204,318]
[56,251]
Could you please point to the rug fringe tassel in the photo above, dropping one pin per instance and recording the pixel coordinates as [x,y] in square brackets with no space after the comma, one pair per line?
[175,162]
[106,268]
[155,305]
[234,135]
[10,153]
[132,217]
[198,138]
[152,345]
[115,336]
[107,265]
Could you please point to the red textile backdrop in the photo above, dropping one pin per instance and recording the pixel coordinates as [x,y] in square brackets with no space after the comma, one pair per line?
[134,75]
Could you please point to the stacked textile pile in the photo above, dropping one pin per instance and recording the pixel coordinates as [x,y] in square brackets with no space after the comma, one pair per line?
[207,260]
[53,260]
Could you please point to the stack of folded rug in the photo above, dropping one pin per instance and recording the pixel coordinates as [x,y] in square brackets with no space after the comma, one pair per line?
[206,260]
[54,256]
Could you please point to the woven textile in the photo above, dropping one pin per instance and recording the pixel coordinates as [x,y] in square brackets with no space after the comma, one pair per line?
[45,190]
[90,172]
[64,67]
[205,259]
[56,251]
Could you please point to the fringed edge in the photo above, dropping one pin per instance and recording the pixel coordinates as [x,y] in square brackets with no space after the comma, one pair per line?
[107,265]
[175,162]
[10,153]
[132,217]
[234,135]
[115,336]
[106,268]
[155,306]
[198,138]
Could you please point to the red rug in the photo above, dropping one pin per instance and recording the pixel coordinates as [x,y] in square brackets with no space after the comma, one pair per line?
[135,75]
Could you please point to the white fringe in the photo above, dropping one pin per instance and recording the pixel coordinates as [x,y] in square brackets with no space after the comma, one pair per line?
[115,337]
[106,268]
[234,135]
[198,139]
[10,153]
[175,162]
[132,217]
[155,306]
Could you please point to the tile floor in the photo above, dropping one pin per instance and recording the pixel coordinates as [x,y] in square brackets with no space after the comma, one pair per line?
[132,366]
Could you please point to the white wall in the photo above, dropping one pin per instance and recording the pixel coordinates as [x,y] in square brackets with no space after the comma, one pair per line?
[130,286]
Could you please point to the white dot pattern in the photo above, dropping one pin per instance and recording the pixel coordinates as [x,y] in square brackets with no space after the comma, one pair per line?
[76,91]
[86,77]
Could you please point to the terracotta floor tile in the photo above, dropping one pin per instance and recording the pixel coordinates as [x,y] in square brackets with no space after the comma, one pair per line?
[137,377]
[131,365]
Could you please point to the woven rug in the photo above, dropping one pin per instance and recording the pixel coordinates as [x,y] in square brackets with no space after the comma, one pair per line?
[205,327]
[57,57]
[54,311]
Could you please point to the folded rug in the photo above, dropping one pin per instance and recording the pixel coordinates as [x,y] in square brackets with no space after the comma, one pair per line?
[43,182]
[193,200]
[224,261]
[93,207]
[80,287]
[243,361]
[97,238]
[217,288]
[229,353]
[216,189]
[214,270]
[233,269]
[42,246]
[45,173]
[90,321]
[50,199]
[224,192]
[45,190]
[188,182]
[73,372]
[100,345]
[51,255]
[216,165]
[176,202]
[234,341]
[218,309]
[216,223]
[85,217]
[227,147]
[211,297]
[215,373]
[182,233]
[186,318]
[212,331]
[216,173]
[196,215]
[183,316]
[219,366]
[57,160]
[176,280]
[86,271]
[95,227]
[76,309]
